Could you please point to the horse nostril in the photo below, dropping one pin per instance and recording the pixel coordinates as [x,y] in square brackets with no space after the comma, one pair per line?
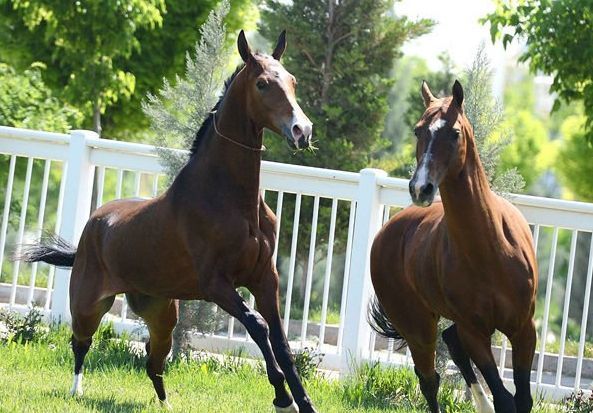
[297,132]
[427,189]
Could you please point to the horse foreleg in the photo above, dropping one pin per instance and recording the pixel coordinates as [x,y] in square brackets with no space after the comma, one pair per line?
[462,361]
[523,343]
[266,296]
[478,347]
[222,293]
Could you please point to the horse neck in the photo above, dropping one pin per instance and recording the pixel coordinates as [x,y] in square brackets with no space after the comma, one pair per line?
[226,171]
[469,203]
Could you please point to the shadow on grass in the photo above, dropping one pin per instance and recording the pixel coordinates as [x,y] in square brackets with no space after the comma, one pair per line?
[110,404]
[103,404]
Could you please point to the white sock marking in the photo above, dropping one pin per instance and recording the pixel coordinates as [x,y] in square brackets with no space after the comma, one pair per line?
[77,385]
[293,408]
[483,404]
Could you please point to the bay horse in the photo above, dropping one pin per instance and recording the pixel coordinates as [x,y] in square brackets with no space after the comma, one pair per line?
[468,258]
[208,234]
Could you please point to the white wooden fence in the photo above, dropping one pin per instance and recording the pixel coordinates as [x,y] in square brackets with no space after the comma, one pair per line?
[70,173]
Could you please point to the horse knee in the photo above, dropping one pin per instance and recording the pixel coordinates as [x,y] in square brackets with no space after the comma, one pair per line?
[259,327]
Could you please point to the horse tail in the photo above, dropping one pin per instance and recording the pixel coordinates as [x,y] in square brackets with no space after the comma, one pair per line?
[380,323]
[50,249]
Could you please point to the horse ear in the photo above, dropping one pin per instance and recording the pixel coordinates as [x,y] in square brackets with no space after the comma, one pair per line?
[243,47]
[280,46]
[458,94]
[426,94]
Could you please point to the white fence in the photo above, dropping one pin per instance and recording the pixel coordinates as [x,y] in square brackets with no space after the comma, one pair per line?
[326,223]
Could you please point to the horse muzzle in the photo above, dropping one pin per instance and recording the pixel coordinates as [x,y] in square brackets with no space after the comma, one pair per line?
[299,134]
[422,193]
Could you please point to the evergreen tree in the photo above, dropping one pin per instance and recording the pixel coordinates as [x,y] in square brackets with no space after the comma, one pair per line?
[176,114]
[342,53]
[486,116]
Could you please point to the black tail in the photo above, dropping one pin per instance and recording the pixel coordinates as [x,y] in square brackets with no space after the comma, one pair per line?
[51,249]
[380,323]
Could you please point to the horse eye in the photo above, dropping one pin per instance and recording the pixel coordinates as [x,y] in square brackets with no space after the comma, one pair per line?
[417,133]
[456,133]
[261,84]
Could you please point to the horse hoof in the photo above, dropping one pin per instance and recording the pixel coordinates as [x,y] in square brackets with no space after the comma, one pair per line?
[165,405]
[293,408]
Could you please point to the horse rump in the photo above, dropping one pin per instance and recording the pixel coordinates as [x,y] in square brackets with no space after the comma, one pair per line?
[50,249]
[381,325]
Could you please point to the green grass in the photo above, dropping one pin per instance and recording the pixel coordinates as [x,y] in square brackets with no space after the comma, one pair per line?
[36,377]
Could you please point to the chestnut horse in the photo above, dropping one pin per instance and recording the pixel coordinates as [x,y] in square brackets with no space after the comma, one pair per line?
[208,234]
[468,258]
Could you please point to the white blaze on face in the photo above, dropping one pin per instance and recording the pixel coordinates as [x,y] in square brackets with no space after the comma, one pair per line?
[422,174]
[77,385]
[483,404]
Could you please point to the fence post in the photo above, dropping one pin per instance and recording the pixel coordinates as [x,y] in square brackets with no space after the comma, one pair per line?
[367,220]
[75,212]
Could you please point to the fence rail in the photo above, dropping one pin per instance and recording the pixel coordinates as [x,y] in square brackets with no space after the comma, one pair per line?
[326,223]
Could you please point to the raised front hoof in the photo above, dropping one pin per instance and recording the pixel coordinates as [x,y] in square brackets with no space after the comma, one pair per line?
[165,405]
[293,408]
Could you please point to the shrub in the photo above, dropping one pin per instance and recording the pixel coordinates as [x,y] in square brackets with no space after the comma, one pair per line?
[23,328]
[579,402]
[307,362]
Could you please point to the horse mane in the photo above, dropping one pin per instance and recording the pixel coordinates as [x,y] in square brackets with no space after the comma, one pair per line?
[209,119]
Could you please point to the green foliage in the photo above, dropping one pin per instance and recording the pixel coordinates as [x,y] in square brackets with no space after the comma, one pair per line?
[579,403]
[307,362]
[342,54]
[373,386]
[84,45]
[21,328]
[486,115]
[178,111]
[163,54]
[558,35]
[406,107]
[27,102]
[574,159]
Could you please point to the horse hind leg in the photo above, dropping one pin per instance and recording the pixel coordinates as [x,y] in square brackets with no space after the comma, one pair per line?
[523,343]
[462,361]
[160,315]
[85,321]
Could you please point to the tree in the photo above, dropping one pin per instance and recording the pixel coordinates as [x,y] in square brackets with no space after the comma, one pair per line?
[574,159]
[83,43]
[342,54]
[559,34]
[162,55]
[27,102]
[176,114]
[105,54]
[486,116]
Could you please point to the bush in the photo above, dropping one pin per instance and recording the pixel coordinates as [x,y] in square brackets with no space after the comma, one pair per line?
[372,386]
[307,362]
[579,402]
[23,328]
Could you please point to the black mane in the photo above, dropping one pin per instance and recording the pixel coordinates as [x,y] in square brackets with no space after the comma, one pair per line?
[208,121]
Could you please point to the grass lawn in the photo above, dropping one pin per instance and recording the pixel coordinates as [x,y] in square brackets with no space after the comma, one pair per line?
[36,377]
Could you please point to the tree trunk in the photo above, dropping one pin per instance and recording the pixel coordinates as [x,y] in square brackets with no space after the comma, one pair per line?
[329,52]
[97,116]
